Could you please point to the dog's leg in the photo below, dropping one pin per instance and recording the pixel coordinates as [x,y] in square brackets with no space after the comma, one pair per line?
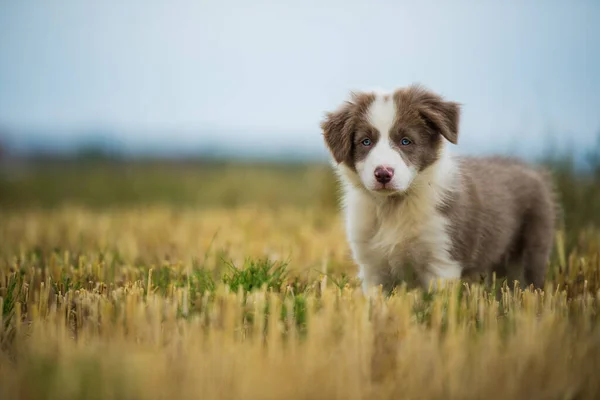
[537,236]
[375,275]
[537,244]
[439,274]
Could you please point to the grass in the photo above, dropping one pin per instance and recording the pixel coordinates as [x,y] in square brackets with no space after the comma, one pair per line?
[156,287]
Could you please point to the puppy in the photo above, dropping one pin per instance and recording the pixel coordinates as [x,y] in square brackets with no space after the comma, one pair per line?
[408,202]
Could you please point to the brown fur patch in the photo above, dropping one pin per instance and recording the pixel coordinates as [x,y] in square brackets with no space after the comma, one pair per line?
[424,118]
[363,131]
[340,127]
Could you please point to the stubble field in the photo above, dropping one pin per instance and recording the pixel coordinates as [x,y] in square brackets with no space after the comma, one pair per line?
[235,282]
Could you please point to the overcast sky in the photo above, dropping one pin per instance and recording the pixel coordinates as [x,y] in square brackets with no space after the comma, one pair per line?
[264,72]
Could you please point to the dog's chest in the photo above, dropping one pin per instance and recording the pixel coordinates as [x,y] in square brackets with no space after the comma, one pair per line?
[399,239]
[395,237]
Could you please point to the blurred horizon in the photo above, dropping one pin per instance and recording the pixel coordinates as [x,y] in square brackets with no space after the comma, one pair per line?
[238,80]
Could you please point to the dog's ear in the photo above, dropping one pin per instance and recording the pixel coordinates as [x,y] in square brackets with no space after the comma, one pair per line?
[440,115]
[337,131]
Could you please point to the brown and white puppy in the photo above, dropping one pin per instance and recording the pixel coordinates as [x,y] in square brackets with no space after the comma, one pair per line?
[408,201]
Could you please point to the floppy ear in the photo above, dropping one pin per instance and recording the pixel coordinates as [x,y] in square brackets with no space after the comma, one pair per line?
[337,131]
[442,116]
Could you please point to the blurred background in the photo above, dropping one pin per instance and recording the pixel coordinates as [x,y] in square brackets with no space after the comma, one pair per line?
[218,103]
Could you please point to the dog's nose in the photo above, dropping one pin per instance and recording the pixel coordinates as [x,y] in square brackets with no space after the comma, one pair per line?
[384,174]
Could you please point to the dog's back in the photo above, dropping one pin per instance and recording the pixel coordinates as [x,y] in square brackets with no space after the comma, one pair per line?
[502,217]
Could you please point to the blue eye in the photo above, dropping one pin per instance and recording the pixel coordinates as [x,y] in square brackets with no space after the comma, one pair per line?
[366,142]
[405,141]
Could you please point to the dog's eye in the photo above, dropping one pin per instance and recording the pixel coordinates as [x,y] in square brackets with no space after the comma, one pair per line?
[366,142]
[405,141]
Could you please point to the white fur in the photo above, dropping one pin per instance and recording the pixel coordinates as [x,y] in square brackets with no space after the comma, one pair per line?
[385,232]
[381,116]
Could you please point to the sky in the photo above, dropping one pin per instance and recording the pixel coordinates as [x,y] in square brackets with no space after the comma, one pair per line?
[261,74]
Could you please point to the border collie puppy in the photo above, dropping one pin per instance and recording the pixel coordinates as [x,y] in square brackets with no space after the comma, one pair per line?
[408,202]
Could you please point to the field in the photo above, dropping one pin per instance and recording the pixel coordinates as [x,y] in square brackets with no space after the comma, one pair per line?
[234,281]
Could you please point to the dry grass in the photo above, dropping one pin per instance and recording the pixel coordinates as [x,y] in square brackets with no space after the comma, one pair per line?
[91,323]
[256,302]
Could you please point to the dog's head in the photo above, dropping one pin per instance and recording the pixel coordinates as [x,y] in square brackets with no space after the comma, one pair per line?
[385,140]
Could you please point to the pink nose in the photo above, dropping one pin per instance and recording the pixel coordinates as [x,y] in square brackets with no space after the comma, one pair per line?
[384,174]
